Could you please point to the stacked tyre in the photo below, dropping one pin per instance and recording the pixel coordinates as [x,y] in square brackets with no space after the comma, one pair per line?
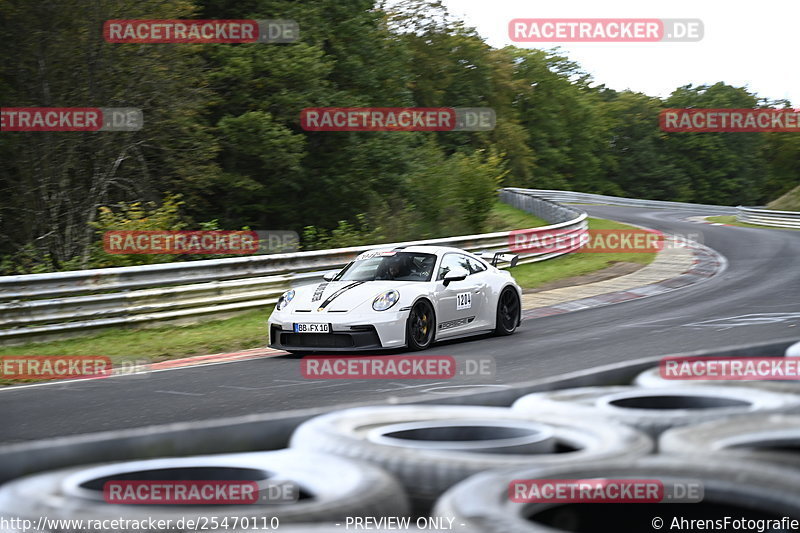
[329,489]
[456,468]
[430,448]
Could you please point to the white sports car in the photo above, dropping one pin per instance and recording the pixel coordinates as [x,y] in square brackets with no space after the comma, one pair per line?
[395,297]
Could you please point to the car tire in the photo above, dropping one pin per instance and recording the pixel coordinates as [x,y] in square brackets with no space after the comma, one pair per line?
[508,314]
[656,410]
[742,490]
[429,448]
[332,488]
[421,316]
[772,439]
[651,378]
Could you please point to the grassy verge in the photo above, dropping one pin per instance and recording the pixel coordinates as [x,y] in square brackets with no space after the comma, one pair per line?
[249,330]
[505,218]
[788,202]
[731,221]
[534,275]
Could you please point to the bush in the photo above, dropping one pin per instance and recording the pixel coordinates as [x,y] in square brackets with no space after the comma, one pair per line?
[451,196]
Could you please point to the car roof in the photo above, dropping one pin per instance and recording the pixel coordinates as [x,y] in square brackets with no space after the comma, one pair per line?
[418,248]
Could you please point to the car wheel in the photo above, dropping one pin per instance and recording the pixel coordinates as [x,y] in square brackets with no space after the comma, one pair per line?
[508,309]
[420,326]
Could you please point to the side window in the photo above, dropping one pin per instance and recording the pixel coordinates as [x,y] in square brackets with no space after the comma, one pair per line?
[451,261]
[475,266]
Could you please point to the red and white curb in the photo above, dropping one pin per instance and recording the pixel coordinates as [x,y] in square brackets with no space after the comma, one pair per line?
[707,263]
[245,355]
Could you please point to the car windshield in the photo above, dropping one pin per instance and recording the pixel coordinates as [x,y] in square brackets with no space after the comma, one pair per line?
[397,266]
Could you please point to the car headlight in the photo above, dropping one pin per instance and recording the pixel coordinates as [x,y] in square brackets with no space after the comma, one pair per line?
[384,301]
[284,300]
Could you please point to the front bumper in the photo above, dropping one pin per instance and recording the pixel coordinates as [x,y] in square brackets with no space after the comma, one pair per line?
[334,341]
[346,334]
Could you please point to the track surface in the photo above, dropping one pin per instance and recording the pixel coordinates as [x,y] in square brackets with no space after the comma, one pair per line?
[756,299]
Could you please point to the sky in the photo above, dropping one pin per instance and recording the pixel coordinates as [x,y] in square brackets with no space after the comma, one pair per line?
[747,43]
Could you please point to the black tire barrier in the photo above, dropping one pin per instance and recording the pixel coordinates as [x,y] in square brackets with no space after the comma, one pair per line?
[656,410]
[430,448]
[773,439]
[651,379]
[750,491]
[331,488]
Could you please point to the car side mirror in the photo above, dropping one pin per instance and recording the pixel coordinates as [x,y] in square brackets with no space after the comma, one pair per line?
[328,276]
[456,274]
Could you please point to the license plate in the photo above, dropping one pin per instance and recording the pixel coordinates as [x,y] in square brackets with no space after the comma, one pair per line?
[312,328]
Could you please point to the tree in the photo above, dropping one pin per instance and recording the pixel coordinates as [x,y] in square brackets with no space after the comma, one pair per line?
[53,55]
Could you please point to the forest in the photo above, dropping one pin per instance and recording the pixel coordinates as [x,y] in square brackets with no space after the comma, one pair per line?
[222,146]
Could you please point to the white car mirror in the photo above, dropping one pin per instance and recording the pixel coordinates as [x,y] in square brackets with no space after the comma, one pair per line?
[456,274]
[328,276]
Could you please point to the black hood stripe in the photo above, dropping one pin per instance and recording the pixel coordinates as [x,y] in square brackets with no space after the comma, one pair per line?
[338,293]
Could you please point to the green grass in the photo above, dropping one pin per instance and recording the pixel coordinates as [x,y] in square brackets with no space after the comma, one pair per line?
[535,275]
[503,217]
[731,220]
[788,202]
[249,330]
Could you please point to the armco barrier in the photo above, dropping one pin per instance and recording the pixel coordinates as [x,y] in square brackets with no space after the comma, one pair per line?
[40,307]
[588,198]
[768,217]
[269,431]
[751,215]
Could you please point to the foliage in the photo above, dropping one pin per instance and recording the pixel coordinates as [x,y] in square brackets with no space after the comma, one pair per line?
[136,216]
[222,129]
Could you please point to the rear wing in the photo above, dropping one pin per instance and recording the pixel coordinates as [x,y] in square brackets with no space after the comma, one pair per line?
[496,257]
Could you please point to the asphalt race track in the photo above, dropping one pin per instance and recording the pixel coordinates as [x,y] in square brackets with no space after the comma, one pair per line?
[756,299]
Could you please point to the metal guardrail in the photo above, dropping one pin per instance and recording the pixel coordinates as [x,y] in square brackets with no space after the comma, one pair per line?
[750,215]
[588,198]
[39,307]
[768,217]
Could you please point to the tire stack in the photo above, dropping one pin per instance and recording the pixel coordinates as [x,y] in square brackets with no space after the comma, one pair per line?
[450,467]
[431,448]
[331,488]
